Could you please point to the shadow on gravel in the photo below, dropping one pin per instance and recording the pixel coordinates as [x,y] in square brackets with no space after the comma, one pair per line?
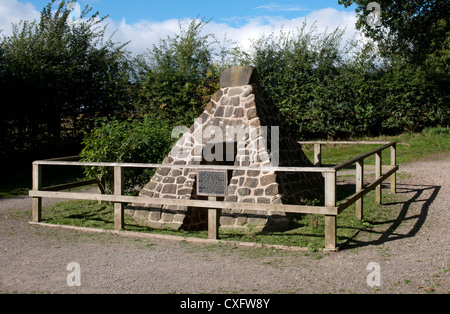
[419,196]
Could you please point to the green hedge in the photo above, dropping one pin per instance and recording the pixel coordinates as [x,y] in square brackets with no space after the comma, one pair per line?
[327,91]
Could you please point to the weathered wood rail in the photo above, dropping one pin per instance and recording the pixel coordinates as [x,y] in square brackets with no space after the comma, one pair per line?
[330,209]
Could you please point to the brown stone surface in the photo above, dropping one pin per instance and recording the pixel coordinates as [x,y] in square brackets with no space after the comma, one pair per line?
[238,76]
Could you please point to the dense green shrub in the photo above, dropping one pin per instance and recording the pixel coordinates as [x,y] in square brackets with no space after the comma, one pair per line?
[326,88]
[321,92]
[178,76]
[137,140]
[411,100]
[55,79]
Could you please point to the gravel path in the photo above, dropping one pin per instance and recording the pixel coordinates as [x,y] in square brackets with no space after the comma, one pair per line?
[412,253]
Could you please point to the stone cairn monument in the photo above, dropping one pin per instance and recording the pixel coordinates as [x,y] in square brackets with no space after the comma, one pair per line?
[240,126]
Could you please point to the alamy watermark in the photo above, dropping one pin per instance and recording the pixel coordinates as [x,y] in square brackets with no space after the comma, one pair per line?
[218,143]
[74,278]
[374,277]
[75,13]
[374,18]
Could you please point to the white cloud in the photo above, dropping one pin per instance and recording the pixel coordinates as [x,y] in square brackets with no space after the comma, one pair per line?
[144,33]
[12,12]
[331,18]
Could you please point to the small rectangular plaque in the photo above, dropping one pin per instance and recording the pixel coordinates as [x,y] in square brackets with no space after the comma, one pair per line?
[212,183]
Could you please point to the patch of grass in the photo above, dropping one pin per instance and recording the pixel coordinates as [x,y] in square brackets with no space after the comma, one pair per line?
[6,193]
[81,214]
[309,231]
[93,215]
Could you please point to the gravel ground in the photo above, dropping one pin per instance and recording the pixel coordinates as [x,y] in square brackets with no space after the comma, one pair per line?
[412,252]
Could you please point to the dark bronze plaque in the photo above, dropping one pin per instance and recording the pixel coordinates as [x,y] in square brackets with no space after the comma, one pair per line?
[212,183]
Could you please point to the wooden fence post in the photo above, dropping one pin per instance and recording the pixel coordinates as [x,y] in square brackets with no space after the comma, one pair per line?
[37,201]
[118,190]
[330,220]
[213,220]
[378,170]
[393,164]
[317,155]
[359,186]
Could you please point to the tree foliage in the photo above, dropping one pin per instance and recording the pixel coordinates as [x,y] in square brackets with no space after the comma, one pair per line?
[138,140]
[179,75]
[316,88]
[415,37]
[327,88]
[55,79]
[412,29]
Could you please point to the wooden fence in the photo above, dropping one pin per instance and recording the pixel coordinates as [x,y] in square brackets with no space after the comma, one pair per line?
[330,210]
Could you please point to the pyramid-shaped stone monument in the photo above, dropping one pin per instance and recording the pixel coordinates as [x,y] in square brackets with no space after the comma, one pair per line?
[240,126]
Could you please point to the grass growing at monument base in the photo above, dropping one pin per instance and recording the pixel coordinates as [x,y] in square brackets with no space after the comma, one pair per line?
[304,230]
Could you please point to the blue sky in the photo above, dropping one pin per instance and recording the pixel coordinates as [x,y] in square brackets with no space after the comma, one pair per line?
[157,11]
[145,22]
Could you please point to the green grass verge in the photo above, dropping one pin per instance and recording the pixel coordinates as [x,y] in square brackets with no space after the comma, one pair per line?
[93,215]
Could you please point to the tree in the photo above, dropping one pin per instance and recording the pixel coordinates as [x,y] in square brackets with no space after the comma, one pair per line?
[303,72]
[411,29]
[55,78]
[179,75]
[414,36]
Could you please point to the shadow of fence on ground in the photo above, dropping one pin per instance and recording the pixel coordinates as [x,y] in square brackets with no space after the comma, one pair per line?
[418,195]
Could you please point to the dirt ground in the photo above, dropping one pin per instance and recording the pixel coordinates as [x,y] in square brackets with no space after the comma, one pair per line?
[412,253]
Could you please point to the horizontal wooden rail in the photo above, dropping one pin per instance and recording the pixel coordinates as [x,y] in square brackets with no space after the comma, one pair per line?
[299,209]
[69,158]
[72,185]
[206,167]
[362,156]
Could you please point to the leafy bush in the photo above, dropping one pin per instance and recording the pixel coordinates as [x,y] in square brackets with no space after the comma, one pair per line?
[55,79]
[437,131]
[320,90]
[326,88]
[178,76]
[137,140]
[411,101]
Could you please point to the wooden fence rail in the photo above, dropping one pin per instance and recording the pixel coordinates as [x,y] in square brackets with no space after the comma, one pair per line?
[330,209]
